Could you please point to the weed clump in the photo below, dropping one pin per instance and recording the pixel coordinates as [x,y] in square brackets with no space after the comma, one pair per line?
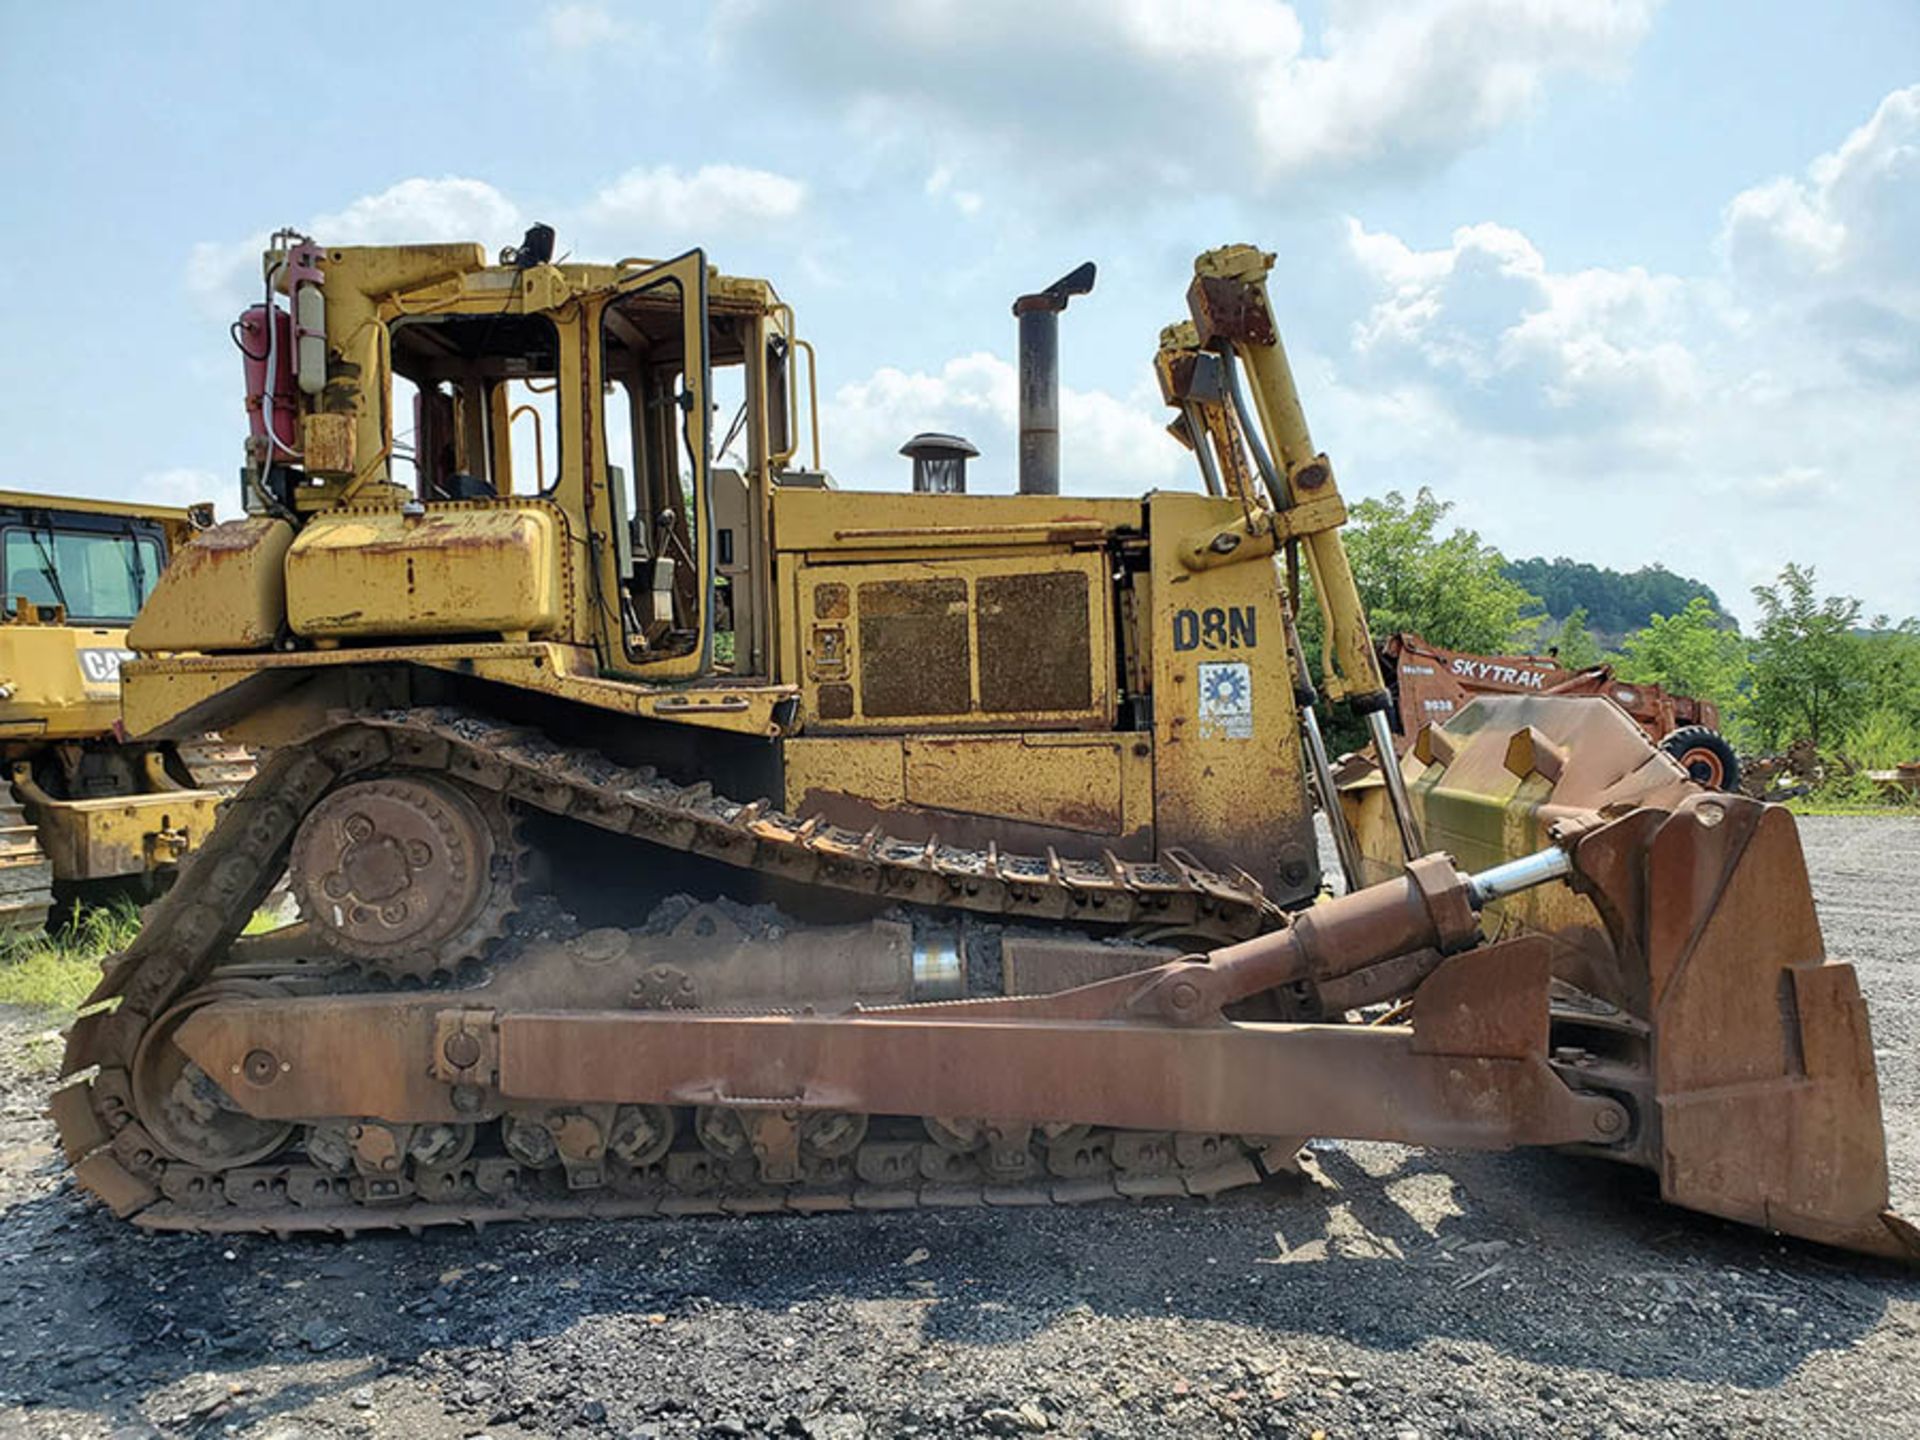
[57,970]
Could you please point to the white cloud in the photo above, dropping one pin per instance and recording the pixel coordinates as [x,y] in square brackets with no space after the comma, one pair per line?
[1105,96]
[1721,423]
[581,27]
[661,199]
[424,211]
[1521,347]
[940,184]
[187,485]
[1834,250]
[1795,485]
[1109,445]
[1857,209]
[1408,84]
[224,276]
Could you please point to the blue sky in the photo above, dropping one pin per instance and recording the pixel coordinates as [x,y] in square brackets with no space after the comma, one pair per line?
[1627,281]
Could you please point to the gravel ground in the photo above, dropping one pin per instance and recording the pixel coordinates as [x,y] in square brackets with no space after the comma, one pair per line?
[1390,1293]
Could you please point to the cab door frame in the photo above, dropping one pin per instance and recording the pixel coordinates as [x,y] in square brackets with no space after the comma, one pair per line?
[689,273]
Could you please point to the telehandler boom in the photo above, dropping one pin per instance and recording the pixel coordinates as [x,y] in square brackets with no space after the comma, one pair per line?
[678,838]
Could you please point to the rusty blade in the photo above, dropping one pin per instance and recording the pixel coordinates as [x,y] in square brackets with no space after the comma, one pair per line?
[1763,1058]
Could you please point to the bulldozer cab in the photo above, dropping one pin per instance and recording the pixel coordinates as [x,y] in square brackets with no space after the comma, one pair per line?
[84,813]
[603,408]
[599,410]
[73,574]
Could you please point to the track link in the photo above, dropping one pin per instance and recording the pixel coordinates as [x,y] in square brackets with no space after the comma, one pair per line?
[26,874]
[218,765]
[291,1199]
[192,929]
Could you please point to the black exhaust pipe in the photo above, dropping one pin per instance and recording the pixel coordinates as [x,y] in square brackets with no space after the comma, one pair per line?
[1039,316]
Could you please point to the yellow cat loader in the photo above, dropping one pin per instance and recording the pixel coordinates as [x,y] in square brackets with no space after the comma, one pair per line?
[89,814]
[675,838]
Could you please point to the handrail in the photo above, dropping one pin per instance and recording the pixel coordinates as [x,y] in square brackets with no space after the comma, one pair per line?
[539,443]
[789,328]
[813,393]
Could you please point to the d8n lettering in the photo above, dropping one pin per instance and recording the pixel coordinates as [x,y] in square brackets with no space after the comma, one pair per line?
[1215,628]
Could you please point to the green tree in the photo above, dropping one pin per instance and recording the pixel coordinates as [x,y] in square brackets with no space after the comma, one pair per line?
[1892,656]
[1690,654]
[1450,588]
[1576,647]
[1615,601]
[1811,675]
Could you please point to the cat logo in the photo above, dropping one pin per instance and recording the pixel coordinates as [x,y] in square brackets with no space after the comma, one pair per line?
[102,667]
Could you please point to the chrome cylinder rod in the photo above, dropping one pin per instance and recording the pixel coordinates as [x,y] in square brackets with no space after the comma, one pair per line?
[1250,430]
[1397,796]
[1321,769]
[1517,875]
[1343,842]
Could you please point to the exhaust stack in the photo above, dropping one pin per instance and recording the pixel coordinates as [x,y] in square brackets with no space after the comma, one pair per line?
[1039,316]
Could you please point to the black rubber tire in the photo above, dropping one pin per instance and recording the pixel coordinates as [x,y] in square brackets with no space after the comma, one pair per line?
[1705,755]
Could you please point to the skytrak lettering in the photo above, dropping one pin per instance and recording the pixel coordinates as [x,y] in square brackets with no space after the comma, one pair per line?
[1215,628]
[1501,674]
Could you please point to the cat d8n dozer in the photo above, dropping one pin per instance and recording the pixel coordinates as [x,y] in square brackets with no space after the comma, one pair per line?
[677,838]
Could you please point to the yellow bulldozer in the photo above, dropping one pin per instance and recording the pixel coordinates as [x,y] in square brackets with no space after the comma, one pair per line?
[89,814]
[674,837]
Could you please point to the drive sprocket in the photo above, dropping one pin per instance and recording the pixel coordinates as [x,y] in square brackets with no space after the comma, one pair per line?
[408,874]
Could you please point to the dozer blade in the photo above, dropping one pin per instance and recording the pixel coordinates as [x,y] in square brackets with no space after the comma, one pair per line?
[1687,953]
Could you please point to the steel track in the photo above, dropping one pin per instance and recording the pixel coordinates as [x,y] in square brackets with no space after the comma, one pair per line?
[193,927]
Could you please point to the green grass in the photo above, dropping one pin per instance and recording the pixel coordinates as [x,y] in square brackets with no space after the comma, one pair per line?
[57,972]
[1852,793]
[1815,805]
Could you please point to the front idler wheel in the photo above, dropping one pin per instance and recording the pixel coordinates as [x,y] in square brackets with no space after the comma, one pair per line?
[188,1111]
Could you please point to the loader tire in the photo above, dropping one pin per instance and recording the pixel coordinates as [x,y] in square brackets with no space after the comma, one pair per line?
[1705,755]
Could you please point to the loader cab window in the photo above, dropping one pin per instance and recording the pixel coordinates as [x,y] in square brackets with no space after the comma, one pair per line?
[473,407]
[102,575]
[653,459]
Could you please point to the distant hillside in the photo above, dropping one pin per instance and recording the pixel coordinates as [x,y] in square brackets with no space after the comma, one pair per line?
[1615,601]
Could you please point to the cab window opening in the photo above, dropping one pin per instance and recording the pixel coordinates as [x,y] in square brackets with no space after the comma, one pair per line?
[473,405]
